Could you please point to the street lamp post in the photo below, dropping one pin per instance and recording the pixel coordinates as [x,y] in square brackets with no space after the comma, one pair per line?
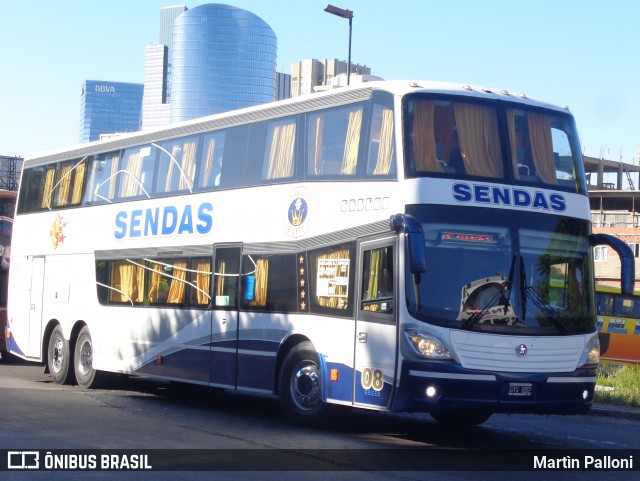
[343,13]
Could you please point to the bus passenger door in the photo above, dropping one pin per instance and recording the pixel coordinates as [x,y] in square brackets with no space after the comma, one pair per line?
[375,339]
[224,328]
[25,294]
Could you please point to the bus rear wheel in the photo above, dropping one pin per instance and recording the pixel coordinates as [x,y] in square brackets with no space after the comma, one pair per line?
[86,375]
[59,357]
[300,386]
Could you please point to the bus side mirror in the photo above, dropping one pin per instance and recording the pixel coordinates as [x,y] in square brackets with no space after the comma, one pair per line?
[417,252]
[627,261]
[416,245]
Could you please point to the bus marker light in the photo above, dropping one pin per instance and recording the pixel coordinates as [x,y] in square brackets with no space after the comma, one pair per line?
[160,360]
[334,375]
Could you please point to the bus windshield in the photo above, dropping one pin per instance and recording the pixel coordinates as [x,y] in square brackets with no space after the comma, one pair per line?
[461,138]
[503,272]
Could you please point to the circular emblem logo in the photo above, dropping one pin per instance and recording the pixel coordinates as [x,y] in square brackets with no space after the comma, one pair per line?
[298,215]
[521,350]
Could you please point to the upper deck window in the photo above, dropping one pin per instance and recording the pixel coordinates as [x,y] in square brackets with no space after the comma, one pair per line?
[452,138]
[176,165]
[333,138]
[380,161]
[541,149]
[499,141]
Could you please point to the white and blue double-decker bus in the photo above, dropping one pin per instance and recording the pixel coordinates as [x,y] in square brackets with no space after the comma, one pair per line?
[400,246]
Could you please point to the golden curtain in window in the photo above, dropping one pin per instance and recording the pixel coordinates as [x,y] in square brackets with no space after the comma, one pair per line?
[374,275]
[183,168]
[188,166]
[479,140]
[423,138]
[261,283]
[64,185]
[76,195]
[127,278]
[315,146]
[281,152]
[203,281]
[385,147]
[337,301]
[542,147]
[154,284]
[207,168]
[131,180]
[178,283]
[48,188]
[172,166]
[352,143]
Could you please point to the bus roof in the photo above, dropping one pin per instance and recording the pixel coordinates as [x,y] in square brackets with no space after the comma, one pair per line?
[281,108]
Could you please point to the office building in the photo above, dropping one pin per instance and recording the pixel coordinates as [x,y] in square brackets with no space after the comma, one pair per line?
[168,16]
[108,108]
[223,58]
[615,209]
[212,59]
[157,72]
[155,108]
[283,86]
[310,73]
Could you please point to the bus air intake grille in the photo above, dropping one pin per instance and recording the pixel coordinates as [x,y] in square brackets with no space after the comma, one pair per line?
[491,352]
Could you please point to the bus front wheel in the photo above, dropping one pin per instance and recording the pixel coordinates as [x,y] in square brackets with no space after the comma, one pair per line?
[86,375]
[59,357]
[300,386]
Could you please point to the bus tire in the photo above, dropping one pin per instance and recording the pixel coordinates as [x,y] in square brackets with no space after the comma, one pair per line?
[86,375]
[461,419]
[300,386]
[59,357]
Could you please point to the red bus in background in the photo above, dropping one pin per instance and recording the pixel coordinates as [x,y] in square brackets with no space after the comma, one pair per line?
[7,209]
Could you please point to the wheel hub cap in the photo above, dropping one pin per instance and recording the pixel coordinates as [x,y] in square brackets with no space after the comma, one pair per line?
[306,387]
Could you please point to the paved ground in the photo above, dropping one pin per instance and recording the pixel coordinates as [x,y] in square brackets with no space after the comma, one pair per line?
[612,410]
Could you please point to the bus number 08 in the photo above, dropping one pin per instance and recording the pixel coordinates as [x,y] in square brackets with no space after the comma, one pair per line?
[372,379]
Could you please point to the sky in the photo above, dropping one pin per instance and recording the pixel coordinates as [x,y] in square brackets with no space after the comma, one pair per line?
[584,54]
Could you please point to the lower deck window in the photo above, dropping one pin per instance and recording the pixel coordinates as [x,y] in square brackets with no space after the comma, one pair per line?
[158,282]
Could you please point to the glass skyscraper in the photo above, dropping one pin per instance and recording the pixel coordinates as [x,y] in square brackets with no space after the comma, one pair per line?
[167,16]
[223,58]
[109,108]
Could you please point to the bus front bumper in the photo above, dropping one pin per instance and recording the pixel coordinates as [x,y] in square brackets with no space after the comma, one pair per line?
[436,387]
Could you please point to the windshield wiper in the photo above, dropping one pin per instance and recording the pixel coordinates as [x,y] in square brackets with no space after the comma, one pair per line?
[538,302]
[547,310]
[523,289]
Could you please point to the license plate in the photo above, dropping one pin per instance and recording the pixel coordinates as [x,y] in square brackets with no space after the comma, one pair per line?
[520,389]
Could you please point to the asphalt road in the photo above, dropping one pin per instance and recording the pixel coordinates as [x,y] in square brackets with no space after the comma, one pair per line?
[230,436]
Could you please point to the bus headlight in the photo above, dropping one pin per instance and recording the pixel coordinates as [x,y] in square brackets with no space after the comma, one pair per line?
[591,354]
[427,345]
